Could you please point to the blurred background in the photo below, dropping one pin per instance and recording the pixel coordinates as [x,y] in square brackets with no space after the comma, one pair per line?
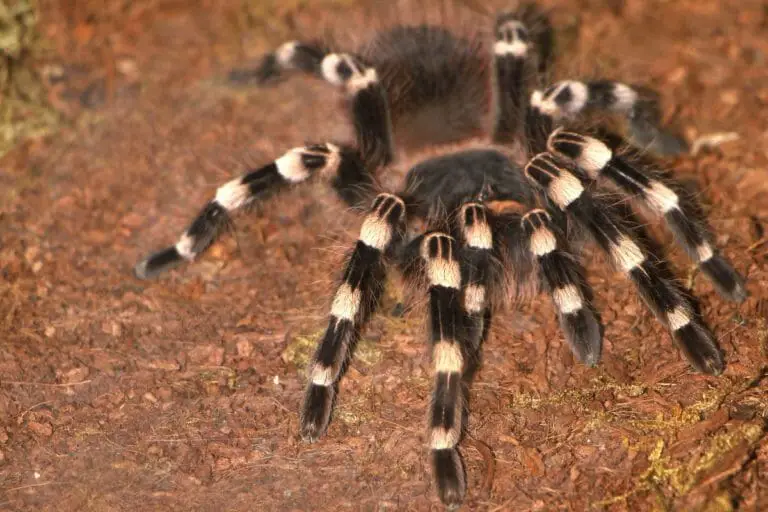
[118,121]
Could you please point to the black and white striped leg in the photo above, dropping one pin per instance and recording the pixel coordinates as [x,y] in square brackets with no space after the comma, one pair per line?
[355,301]
[510,52]
[659,195]
[563,278]
[289,56]
[478,263]
[540,33]
[295,166]
[663,295]
[370,110]
[440,255]
[570,98]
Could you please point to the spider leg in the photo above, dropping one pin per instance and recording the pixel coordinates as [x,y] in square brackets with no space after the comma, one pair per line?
[523,47]
[658,194]
[663,295]
[355,301]
[350,171]
[450,351]
[569,99]
[563,278]
[510,52]
[368,103]
[367,97]
[341,165]
[289,56]
[479,268]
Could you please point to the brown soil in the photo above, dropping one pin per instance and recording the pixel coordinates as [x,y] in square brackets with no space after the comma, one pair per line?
[182,393]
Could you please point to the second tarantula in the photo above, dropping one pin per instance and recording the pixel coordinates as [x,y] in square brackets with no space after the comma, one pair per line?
[478,218]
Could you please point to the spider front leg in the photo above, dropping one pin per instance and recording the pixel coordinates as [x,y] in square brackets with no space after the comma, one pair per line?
[658,194]
[663,295]
[355,301]
[480,268]
[459,279]
[563,278]
[451,348]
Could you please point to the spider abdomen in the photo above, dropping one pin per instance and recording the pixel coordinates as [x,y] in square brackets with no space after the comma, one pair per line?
[438,84]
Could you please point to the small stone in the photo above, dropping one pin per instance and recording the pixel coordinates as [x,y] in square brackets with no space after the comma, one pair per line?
[75,375]
[244,348]
[111,327]
[149,397]
[730,97]
[165,393]
[132,220]
[40,429]
[31,253]
[155,451]
[222,464]
[50,331]
[158,364]
[206,355]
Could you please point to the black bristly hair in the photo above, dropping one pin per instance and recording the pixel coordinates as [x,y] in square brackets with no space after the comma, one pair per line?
[455,143]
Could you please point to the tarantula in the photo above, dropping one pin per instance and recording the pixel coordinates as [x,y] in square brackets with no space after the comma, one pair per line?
[507,187]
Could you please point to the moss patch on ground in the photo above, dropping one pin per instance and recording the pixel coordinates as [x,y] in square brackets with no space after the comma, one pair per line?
[24,110]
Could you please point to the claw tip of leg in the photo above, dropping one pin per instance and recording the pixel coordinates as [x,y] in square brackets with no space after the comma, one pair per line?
[140,270]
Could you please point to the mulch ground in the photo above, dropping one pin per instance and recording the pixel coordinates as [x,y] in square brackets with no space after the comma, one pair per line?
[182,393]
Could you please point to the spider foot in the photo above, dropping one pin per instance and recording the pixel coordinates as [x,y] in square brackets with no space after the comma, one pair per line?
[316,411]
[449,477]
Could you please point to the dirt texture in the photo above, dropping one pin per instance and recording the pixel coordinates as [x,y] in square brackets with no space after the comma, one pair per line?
[183,393]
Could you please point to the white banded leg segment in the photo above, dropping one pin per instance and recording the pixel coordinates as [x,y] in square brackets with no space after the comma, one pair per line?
[563,99]
[659,196]
[291,55]
[344,70]
[661,294]
[561,276]
[569,98]
[538,124]
[562,186]
[510,73]
[293,167]
[354,302]
[568,299]
[477,266]
[511,37]
[449,352]
[475,298]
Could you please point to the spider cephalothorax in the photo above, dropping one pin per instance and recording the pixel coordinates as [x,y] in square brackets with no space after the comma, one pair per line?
[501,184]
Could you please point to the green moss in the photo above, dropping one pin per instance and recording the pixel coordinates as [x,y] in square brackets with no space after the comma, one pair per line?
[682,476]
[577,397]
[299,351]
[24,111]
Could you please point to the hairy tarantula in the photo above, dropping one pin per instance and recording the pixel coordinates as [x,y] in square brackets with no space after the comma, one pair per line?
[472,224]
